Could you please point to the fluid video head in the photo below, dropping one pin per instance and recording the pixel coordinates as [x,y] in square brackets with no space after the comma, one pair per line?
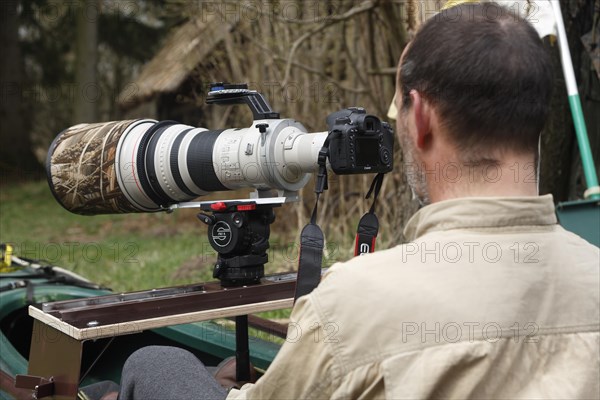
[146,165]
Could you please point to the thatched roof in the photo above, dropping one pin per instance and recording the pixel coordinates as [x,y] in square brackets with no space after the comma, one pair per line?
[182,51]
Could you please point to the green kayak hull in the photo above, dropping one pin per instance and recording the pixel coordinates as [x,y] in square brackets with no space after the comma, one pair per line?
[210,341]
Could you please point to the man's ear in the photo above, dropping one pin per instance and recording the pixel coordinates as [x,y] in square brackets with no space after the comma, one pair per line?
[422,114]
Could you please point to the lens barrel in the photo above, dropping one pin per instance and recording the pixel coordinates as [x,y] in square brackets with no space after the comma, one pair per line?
[146,166]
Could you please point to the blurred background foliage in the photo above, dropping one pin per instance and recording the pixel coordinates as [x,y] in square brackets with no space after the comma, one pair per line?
[72,61]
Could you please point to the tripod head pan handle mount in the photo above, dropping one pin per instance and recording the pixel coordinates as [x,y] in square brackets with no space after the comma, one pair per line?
[238,93]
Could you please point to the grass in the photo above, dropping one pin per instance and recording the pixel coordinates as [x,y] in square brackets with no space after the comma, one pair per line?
[124,252]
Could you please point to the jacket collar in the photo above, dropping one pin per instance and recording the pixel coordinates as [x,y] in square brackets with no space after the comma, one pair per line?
[481,212]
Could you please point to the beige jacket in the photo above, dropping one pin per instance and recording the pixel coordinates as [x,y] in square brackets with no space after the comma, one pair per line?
[489,299]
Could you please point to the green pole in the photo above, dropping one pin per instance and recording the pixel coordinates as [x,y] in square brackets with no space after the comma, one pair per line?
[587,160]
[589,168]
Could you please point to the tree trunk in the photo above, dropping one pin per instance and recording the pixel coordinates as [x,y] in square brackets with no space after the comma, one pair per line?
[561,170]
[557,136]
[88,90]
[579,21]
[17,160]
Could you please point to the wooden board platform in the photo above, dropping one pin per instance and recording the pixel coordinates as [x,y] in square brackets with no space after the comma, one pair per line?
[122,314]
[129,327]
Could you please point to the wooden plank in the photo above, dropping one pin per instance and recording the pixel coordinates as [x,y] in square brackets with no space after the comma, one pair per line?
[116,310]
[268,326]
[134,326]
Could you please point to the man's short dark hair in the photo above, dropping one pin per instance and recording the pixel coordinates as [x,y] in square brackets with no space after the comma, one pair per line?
[486,72]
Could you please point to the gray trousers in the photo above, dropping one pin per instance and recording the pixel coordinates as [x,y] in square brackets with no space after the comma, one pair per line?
[166,373]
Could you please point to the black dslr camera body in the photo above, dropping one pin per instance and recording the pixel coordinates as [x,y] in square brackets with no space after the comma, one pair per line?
[359,143]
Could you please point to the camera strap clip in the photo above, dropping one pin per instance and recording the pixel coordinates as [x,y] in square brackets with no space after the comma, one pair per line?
[368,226]
[321,184]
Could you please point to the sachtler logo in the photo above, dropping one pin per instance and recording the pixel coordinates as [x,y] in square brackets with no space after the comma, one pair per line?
[221,234]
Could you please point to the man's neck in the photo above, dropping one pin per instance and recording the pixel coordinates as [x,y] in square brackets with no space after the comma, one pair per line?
[515,176]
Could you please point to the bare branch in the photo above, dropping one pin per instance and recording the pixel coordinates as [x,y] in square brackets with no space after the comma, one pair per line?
[363,7]
[383,71]
[306,68]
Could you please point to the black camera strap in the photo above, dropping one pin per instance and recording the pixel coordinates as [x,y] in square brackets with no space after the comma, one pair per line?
[368,226]
[312,240]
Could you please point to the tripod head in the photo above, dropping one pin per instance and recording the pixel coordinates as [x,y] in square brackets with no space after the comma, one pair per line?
[239,232]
